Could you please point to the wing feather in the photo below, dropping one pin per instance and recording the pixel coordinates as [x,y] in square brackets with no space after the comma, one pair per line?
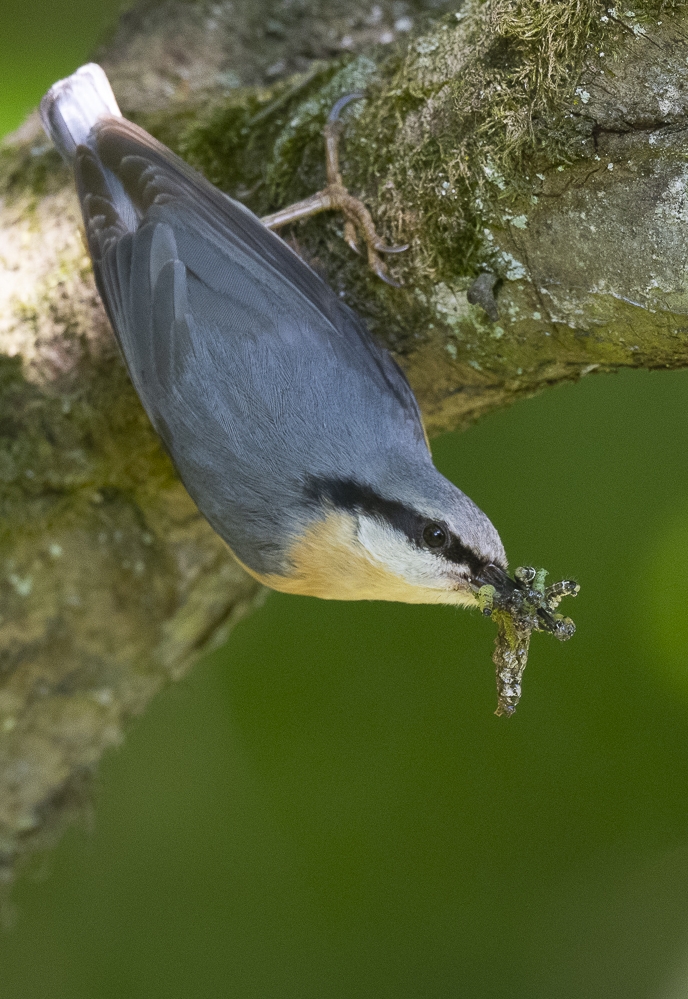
[254,373]
[220,235]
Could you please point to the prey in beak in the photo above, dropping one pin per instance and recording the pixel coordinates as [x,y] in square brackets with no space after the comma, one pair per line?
[519,607]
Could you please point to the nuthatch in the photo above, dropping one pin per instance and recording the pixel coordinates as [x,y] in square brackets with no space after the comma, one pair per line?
[297,435]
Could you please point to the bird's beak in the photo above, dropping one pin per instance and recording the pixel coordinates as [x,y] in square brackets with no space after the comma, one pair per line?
[493,575]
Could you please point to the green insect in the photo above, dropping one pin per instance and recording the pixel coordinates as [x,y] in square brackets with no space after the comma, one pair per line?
[486,595]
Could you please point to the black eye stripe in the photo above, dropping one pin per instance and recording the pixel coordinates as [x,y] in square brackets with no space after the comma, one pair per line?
[352,497]
[463,555]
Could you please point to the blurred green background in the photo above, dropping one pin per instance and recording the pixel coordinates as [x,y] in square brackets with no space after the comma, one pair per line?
[327,808]
[42,41]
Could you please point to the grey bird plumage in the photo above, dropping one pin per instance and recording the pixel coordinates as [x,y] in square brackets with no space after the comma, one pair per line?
[280,411]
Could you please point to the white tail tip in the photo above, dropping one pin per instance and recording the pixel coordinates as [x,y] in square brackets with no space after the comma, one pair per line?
[72,107]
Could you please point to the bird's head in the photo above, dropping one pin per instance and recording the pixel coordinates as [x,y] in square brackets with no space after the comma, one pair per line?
[414,539]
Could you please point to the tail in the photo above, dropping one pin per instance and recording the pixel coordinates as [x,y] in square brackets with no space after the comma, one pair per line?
[73,106]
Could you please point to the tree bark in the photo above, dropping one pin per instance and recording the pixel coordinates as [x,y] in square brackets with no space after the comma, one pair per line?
[530,152]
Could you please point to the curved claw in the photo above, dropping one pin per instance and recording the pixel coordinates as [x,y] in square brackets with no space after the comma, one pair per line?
[379,268]
[381,248]
[350,236]
[388,280]
[341,103]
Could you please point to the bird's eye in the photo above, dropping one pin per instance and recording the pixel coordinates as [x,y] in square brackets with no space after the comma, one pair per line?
[434,536]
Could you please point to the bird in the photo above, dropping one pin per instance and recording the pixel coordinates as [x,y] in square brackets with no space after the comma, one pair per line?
[293,429]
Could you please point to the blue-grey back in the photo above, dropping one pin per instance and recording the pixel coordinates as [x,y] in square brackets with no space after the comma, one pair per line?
[255,375]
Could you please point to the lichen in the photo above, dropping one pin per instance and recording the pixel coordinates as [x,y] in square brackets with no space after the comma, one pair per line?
[464,127]
[457,124]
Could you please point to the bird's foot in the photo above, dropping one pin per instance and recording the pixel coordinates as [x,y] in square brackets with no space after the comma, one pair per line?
[336,197]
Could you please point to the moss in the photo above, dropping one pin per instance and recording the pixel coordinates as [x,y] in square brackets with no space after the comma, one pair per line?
[264,145]
[60,451]
[34,168]
[456,122]
[470,110]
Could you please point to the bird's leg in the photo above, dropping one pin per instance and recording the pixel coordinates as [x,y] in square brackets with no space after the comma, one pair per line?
[335,196]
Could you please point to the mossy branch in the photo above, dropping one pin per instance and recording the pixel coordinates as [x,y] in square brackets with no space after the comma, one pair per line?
[531,153]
